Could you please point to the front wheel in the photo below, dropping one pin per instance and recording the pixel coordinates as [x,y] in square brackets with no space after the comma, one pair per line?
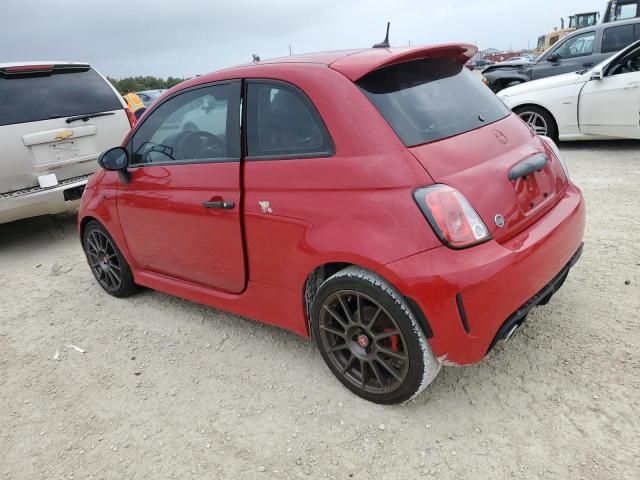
[107,263]
[539,120]
[370,339]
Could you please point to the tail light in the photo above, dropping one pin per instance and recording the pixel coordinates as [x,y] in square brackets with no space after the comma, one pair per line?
[452,218]
[556,152]
[131,116]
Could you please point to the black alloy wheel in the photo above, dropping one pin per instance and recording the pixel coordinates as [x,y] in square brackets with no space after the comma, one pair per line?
[103,261]
[106,261]
[364,342]
[370,338]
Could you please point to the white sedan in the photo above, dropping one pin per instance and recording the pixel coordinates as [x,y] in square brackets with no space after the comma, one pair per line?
[601,103]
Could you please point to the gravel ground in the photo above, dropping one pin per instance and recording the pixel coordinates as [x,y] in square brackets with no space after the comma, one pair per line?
[170,389]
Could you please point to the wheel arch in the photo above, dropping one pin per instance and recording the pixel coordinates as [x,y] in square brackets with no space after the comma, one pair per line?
[84,222]
[322,272]
[115,233]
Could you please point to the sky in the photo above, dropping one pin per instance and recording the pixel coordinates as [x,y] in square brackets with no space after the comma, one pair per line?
[184,38]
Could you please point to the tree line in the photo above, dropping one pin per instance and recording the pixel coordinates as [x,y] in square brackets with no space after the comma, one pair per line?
[137,84]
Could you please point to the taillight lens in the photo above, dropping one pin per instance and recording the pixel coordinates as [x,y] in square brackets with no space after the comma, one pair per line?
[132,117]
[452,218]
[556,152]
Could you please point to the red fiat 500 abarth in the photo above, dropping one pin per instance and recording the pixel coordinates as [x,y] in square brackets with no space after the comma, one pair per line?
[382,201]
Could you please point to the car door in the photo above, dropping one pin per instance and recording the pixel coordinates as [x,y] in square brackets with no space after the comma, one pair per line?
[570,55]
[611,106]
[180,211]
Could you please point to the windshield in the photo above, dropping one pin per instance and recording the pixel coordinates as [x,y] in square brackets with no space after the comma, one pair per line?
[431,99]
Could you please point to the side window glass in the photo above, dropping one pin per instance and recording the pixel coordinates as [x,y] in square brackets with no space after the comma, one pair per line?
[629,63]
[200,125]
[626,11]
[617,38]
[577,46]
[282,122]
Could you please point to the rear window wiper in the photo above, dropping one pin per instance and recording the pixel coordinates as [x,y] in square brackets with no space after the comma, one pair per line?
[85,118]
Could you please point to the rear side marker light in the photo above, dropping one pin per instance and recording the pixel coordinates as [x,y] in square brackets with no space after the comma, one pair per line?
[452,218]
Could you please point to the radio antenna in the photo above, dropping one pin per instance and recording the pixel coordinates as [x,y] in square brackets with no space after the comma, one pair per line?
[385,43]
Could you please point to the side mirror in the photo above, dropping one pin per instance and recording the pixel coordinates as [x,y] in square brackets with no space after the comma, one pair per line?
[554,57]
[114,159]
[597,75]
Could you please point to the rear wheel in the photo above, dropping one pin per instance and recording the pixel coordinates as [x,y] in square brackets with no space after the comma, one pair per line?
[106,261]
[539,120]
[370,339]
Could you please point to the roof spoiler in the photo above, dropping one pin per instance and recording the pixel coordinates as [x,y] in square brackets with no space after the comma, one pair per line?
[360,64]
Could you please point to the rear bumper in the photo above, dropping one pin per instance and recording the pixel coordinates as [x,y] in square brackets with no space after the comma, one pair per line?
[42,201]
[470,296]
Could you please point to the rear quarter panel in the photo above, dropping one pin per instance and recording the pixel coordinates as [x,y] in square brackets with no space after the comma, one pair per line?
[355,207]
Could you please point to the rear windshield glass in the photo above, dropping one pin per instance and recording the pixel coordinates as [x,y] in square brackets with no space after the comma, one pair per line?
[430,99]
[29,98]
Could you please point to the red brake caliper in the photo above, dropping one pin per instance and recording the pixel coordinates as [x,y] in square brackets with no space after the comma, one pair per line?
[393,342]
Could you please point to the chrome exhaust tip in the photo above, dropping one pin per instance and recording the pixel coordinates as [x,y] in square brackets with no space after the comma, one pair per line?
[510,333]
[507,336]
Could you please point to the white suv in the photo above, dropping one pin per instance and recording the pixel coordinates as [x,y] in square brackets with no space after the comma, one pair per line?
[55,119]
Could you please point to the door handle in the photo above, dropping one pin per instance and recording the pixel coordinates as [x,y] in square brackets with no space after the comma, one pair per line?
[221,204]
[632,86]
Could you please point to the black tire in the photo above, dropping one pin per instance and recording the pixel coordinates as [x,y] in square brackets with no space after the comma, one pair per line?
[362,358]
[529,112]
[107,263]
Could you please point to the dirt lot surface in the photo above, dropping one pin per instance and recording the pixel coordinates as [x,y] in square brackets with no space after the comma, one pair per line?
[170,389]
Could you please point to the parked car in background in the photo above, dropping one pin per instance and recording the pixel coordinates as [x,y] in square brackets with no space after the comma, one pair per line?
[518,60]
[55,118]
[150,96]
[578,51]
[381,201]
[525,58]
[600,103]
[478,64]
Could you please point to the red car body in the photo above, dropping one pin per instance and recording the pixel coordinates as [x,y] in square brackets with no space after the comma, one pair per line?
[293,217]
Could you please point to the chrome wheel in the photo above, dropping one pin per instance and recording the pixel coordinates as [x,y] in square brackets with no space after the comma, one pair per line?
[103,260]
[536,121]
[363,342]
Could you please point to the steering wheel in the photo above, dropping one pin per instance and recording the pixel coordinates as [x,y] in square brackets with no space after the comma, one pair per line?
[198,144]
[633,65]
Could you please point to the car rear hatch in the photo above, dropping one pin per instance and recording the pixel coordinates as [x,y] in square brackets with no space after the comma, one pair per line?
[465,137]
[54,120]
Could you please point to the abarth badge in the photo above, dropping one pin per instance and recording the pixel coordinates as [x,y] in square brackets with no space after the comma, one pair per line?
[265,206]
